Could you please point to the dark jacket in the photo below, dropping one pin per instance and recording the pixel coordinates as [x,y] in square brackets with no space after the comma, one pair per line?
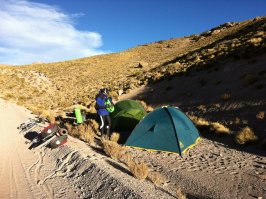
[100,104]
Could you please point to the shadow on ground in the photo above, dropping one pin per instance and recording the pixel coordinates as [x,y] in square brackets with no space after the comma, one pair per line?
[231,92]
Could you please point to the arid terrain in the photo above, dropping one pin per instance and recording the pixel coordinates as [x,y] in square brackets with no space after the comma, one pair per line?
[218,78]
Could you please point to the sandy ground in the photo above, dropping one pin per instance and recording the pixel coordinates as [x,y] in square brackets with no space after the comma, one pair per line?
[215,168]
[74,170]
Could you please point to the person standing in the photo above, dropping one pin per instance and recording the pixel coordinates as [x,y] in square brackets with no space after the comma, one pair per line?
[104,106]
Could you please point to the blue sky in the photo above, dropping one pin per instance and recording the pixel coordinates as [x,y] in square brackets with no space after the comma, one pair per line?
[57,30]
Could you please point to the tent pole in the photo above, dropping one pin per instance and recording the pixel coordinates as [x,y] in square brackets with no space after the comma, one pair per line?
[166,109]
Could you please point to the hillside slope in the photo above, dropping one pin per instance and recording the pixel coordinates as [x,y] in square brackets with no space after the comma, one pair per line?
[64,83]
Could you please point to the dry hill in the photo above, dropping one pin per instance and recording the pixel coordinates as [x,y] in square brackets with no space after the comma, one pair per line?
[63,83]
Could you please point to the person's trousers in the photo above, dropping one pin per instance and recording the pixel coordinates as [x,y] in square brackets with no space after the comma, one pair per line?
[105,125]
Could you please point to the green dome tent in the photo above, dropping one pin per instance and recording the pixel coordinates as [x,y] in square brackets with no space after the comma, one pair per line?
[126,115]
[165,129]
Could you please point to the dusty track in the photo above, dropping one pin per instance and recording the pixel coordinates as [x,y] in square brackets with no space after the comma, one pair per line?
[20,167]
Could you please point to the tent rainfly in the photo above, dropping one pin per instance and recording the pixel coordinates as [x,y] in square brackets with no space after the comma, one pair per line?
[127,115]
[165,129]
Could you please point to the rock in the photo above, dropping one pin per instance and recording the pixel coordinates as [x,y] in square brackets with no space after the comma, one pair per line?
[229,24]
[142,64]
[120,92]
[216,32]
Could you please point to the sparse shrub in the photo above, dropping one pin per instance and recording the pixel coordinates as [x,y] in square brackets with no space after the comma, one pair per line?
[237,120]
[94,125]
[219,128]
[202,108]
[139,170]
[69,127]
[199,121]
[145,106]
[115,137]
[260,115]
[88,135]
[210,126]
[74,131]
[217,105]
[49,115]
[82,129]
[226,96]
[196,59]
[256,41]
[114,95]
[112,149]
[245,135]
[125,158]
[180,194]
[35,110]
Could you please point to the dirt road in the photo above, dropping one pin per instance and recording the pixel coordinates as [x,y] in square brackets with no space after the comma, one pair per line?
[20,168]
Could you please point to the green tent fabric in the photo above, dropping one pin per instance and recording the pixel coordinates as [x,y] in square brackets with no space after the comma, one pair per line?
[127,115]
[165,129]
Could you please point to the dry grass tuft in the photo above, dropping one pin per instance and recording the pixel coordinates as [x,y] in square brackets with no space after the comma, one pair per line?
[112,149]
[145,106]
[94,124]
[217,105]
[201,108]
[49,115]
[210,126]
[237,120]
[88,135]
[245,135]
[35,110]
[199,121]
[73,131]
[256,41]
[69,127]
[157,178]
[82,129]
[125,158]
[83,132]
[115,137]
[114,95]
[180,194]
[260,115]
[139,170]
[117,152]
[226,96]
[219,128]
